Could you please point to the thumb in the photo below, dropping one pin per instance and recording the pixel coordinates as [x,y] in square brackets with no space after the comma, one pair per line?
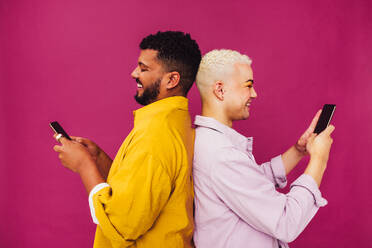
[60,139]
[81,140]
[311,138]
[329,130]
[63,140]
[76,138]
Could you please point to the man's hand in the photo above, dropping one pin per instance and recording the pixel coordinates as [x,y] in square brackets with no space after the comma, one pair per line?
[319,147]
[295,153]
[302,142]
[102,160]
[73,155]
[78,158]
[92,147]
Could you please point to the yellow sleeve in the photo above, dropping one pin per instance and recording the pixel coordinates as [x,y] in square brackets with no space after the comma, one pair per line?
[128,208]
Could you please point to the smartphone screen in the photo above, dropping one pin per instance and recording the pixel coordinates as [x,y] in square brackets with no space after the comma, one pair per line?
[325,117]
[58,129]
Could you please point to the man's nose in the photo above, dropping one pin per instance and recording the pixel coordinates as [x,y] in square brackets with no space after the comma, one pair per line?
[253,93]
[134,73]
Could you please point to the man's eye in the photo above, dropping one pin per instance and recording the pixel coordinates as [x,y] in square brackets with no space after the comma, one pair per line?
[142,70]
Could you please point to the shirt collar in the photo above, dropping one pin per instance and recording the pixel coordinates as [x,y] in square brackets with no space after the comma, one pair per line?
[238,140]
[164,105]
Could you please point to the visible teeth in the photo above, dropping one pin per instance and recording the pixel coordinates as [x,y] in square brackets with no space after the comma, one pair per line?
[139,85]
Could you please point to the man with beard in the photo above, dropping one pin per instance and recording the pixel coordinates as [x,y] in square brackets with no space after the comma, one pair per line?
[144,198]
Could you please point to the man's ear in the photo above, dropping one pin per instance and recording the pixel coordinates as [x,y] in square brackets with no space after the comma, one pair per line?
[173,79]
[218,90]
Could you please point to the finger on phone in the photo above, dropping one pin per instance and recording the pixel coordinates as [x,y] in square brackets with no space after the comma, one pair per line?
[75,138]
[63,140]
[312,136]
[315,119]
[57,148]
[329,130]
[317,115]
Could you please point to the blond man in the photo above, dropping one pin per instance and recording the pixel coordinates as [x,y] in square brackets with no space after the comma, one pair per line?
[236,202]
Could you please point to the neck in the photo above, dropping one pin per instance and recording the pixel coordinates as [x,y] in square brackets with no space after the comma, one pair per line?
[170,94]
[217,113]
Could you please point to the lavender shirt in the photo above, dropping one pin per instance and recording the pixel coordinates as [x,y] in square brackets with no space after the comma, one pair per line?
[236,203]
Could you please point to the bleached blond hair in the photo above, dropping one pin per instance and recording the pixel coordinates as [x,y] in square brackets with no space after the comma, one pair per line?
[216,65]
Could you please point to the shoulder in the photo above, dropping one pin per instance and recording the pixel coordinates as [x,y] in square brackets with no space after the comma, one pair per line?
[214,152]
[211,148]
[168,131]
[169,137]
[168,122]
[208,140]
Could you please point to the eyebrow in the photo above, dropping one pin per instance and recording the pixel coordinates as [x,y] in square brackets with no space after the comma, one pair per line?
[142,64]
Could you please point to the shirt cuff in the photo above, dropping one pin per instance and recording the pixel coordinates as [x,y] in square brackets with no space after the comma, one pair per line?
[277,167]
[96,188]
[309,183]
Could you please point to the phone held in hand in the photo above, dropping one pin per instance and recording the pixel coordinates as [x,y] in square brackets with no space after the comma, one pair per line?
[325,117]
[58,129]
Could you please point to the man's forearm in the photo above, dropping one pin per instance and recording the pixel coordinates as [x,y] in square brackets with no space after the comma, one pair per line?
[316,168]
[90,175]
[291,158]
[104,164]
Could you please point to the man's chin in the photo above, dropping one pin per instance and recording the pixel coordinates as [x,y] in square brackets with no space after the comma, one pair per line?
[245,116]
[139,99]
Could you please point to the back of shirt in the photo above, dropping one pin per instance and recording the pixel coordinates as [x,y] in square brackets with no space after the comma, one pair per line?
[150,199]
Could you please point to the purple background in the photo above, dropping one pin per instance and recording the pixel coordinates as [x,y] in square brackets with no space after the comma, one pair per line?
[71,61]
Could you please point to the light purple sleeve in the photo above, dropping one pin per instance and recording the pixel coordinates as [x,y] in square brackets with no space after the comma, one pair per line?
[249,193]
[275,171]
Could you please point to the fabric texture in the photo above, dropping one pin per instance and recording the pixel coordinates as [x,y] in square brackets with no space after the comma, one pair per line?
[149,201]
[236,201]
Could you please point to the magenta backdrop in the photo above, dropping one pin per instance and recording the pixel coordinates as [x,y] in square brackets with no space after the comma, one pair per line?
[71,61]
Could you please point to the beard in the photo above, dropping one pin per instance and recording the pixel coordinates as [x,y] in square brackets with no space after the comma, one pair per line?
[149,94]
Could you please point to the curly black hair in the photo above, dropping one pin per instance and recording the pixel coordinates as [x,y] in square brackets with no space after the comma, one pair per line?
[178,52]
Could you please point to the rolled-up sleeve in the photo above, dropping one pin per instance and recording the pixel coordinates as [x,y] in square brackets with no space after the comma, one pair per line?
[307,182]
[248,192]
[275,171]
[129,204]
[95,190]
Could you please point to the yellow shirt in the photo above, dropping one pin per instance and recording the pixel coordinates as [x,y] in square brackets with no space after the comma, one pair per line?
[150,199]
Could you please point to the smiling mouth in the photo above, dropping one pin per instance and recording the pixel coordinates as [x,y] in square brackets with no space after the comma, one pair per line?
[139,85]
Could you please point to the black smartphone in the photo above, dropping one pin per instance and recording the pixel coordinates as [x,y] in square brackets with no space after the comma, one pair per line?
[58,129]
[325,117]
